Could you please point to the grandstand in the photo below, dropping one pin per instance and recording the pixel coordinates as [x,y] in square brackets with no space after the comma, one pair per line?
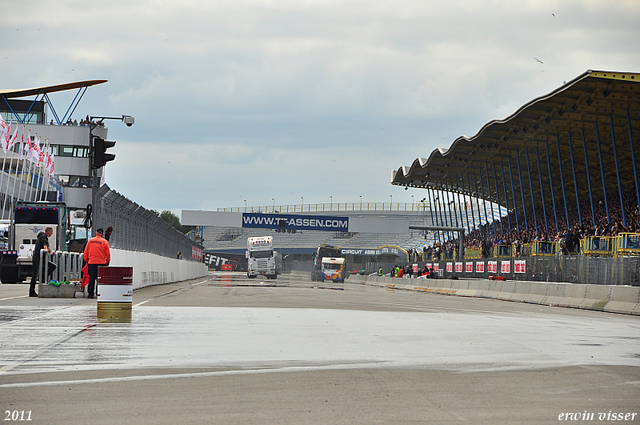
[232,240]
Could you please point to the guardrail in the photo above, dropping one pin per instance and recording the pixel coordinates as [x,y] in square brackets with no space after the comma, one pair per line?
[68,266]
[336,206]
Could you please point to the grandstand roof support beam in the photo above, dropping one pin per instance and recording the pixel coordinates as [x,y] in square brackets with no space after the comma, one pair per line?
[484,203]
[564,194]
[473,218]
[575,181]
[604,186]
[633,159]
[493,216]
[553,196]
[460,231]
[544,206]
[466,213]
[586,166]
[615,160]
[524,206]
[495,182]
[506,196]
[431,201]
[513,194]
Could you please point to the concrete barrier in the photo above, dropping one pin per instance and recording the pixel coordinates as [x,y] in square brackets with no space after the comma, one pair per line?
[624,299]
[521,291]
[555,293]
[574,295]
[596,297]
[151,269]
[614,299]
[63,291]
[537,293]
[507,290]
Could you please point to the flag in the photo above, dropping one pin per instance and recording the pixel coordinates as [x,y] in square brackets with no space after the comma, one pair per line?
[33,150]
[51,162]
[13,139]
[4,129]
[22,143]
[39,151]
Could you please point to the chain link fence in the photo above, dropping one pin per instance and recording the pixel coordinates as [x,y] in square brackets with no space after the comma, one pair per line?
[562,268]
[139,229]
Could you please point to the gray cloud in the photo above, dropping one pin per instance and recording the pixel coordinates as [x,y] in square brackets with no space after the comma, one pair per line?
[262,99]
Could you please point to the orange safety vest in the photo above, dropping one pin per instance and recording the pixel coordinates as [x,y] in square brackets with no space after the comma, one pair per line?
[97,251]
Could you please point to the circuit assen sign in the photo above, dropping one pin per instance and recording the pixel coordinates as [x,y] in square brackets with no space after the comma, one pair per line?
[296,222]
[379,251]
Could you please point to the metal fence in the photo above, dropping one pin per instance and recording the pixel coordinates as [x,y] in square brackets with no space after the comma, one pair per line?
[571,269]
[139,229]
[68,266]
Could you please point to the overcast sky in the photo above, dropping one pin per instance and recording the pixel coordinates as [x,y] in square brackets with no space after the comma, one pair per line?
[289,99]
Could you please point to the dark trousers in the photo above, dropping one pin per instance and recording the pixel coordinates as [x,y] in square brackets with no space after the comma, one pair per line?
[93,275]
[35,271]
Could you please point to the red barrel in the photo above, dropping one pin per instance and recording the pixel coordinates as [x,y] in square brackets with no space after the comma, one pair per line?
[115,293]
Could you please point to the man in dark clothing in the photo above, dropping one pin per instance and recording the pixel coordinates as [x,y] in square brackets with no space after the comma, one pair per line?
[42,242]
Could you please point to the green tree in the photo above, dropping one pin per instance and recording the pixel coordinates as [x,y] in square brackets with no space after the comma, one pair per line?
[172,220]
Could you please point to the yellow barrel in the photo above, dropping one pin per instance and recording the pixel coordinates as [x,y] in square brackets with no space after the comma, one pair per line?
[114,312]
[115,292]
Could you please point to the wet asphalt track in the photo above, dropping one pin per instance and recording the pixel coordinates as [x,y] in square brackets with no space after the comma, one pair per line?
[226,349]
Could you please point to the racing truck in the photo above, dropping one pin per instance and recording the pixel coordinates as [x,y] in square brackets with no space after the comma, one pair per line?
[29,219]
[262,259]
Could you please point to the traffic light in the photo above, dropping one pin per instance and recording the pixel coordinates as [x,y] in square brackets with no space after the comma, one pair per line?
[100,155]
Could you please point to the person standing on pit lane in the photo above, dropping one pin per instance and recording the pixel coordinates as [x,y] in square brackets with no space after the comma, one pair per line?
[42,242]
[97,253]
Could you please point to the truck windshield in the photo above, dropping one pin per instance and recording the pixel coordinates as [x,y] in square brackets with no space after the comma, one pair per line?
[261,254]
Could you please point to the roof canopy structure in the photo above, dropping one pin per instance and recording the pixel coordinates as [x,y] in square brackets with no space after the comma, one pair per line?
[42,93]
[574,144]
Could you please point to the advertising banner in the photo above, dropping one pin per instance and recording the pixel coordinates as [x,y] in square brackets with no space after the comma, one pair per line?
[505,267]
[519,266]
[295,222]
[459,267]
[479,266]
[492,266]
[469,267]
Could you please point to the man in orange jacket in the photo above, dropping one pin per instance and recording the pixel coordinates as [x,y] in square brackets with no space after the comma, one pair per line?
[96,253]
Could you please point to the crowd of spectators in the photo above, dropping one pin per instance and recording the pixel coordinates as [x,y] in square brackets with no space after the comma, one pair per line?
[83,122]
[499,232]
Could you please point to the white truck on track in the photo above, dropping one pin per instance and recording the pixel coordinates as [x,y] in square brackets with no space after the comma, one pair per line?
[261,258]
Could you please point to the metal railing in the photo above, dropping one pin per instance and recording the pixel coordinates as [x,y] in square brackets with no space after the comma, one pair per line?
[68,266]
[335,206]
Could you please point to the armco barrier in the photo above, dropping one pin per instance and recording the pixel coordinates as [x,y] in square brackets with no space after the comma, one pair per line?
[614,299]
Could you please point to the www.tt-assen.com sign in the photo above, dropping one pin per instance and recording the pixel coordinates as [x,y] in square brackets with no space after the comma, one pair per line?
[295,222]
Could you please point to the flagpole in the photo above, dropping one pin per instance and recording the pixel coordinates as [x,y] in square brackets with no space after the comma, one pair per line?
[24,160]
[45,188]
[10,144]
[5,144]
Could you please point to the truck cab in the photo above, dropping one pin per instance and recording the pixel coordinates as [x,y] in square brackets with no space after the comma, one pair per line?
[29,219]
[333,269]
[261,258]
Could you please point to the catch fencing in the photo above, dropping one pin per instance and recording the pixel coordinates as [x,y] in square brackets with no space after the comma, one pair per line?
[139,229]
[561,268]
